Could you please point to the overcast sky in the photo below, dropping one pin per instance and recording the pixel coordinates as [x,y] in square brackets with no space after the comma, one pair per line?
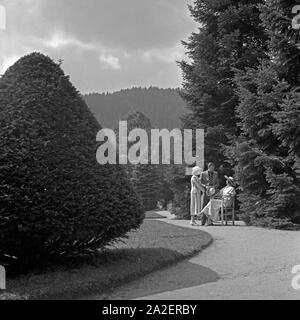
[106,45]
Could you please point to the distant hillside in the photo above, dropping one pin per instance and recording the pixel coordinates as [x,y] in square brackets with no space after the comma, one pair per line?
[162,106]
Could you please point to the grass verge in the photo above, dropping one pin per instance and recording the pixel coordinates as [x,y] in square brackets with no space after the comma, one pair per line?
[155,245]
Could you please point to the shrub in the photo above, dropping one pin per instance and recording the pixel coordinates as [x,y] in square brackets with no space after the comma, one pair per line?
[180,185]
[55,199]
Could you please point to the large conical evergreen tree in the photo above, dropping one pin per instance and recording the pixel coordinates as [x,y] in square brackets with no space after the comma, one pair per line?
[230,37]
[268,148]
[54,197]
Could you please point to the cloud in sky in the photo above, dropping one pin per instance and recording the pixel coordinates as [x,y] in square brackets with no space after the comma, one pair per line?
[110,61]
[106,45]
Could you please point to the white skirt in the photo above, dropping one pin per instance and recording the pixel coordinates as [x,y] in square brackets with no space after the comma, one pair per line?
[195,203]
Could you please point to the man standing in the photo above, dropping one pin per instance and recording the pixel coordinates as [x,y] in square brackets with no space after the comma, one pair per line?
[210,180]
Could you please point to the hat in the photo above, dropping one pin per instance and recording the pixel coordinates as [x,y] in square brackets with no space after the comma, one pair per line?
[230,180]
[210,191]
[196,171]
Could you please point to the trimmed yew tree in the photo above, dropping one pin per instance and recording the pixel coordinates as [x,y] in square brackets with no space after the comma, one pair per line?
[55,199]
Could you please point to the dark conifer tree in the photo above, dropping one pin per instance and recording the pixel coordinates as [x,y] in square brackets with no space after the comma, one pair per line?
[230,37]
[55,199]
[267,151]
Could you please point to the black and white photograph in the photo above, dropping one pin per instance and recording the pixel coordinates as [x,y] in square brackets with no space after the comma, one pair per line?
[149,152]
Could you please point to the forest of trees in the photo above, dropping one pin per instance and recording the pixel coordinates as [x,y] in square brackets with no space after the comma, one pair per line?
[163,107]
[242,86]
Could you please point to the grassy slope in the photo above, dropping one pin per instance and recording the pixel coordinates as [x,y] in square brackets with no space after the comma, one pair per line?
[155,245]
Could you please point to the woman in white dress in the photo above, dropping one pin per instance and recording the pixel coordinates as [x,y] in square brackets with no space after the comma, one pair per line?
[196,190]
[227,195]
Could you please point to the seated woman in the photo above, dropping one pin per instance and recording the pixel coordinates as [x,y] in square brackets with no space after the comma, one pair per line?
[211,211]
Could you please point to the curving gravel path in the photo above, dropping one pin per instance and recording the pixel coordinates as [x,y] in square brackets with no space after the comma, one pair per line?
[242,263]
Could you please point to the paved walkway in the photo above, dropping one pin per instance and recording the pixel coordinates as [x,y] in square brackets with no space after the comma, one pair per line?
[242,263]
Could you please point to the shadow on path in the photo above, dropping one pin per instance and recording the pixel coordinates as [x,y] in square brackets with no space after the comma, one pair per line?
[182,275]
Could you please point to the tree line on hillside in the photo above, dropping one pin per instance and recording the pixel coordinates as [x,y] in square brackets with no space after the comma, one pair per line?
[242,87]
[163,107]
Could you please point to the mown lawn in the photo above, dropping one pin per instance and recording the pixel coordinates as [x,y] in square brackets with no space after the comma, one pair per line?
[155,245]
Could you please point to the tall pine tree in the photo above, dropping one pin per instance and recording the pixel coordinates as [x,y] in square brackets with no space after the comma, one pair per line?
[230,37]
[267,150]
